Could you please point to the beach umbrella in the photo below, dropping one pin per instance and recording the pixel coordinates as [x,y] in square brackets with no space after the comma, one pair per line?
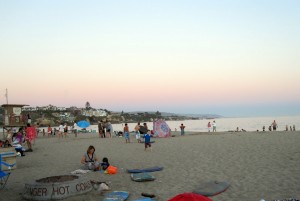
[83,124]
[189,197]
[161,128]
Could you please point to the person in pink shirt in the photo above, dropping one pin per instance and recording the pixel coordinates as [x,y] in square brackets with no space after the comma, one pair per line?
[209,126]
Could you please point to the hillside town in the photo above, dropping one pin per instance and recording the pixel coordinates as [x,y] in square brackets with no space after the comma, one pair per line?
[54,115]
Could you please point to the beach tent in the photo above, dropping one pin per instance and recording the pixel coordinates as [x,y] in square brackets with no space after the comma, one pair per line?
[189,197]
[161,128]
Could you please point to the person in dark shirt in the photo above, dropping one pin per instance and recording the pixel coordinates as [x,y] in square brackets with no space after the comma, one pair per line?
[147,141]
[104,163]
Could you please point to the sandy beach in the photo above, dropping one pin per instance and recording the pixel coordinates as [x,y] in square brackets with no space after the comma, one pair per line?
[257,165]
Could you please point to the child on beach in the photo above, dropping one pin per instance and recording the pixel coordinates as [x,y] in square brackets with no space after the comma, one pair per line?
[209,126]
[126,133]
[147,137]
[182,127]
[104,163]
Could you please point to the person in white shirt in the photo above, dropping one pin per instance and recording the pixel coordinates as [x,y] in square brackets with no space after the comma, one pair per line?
[75,129]
[214,125]
[60,130]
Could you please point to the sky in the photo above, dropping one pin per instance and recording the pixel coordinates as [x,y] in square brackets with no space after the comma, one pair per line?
[226,57]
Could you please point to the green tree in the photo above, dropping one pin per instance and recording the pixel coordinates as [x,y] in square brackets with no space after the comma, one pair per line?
[87,105]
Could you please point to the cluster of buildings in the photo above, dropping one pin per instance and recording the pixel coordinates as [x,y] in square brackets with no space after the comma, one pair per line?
[83,111]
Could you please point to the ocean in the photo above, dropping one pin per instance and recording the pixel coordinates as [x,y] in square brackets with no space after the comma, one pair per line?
[223,124]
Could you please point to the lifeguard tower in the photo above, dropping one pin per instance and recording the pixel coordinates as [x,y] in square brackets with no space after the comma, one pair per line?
[13,116]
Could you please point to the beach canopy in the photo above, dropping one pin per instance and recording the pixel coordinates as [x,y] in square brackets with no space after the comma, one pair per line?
[189,197]
[83,124]
[161,128]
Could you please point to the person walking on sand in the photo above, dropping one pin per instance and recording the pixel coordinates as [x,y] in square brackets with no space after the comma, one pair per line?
[182,127]
[214,125]
[209,126]
[126,133]
[137,132]
[274,125]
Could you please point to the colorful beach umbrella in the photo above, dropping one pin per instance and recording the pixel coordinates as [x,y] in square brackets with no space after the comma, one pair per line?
[83,124]
[161,128]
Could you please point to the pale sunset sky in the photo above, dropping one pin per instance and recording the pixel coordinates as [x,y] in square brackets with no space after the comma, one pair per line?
[227,57]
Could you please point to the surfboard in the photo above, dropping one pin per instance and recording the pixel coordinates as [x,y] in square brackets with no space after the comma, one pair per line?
[211,188]
[117,196]
[140,177]
[145,199]
[151,169]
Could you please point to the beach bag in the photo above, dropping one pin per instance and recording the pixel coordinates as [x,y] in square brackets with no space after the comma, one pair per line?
[111,170]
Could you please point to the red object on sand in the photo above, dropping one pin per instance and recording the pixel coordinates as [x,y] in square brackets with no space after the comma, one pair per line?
[189,197]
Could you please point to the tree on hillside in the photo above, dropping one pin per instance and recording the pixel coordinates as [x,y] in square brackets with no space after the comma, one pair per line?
[87,105]
[158,114]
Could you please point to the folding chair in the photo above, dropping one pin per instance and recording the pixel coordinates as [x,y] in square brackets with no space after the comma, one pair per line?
[4,175]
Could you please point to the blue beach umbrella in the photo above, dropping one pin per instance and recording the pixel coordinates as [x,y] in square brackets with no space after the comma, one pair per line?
[83,124]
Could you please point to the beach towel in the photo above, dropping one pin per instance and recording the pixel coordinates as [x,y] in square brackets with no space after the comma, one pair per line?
[80,171]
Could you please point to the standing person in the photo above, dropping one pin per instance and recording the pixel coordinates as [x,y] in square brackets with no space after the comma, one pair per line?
[28,119]
[30,136]
[147,137]
[126,133]
[274,125]
[214,125]
[75,129]
[209,126]
[294,127]
[66,130]
[49,130]
[182,127]
[137,132]
[145,126]
[60,130]
[100,129]
[108,129]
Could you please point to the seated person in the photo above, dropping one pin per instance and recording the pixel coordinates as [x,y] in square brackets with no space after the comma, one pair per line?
[6,144]
[104,163]
[90,160]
